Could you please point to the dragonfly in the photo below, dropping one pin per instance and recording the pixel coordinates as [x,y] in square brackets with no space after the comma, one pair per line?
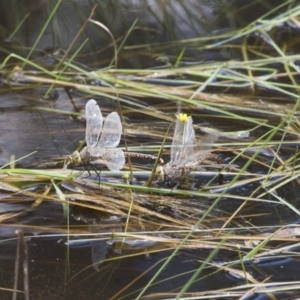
[101,139]
[184,157]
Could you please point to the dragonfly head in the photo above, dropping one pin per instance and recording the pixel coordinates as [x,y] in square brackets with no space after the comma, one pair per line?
[160,173]
[75,158]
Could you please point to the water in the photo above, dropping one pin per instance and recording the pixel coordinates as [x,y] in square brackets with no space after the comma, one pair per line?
[90,276]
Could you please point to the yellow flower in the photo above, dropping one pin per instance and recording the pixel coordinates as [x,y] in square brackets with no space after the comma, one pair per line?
[182,117]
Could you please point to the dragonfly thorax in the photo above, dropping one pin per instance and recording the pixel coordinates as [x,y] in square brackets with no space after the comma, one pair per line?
[85,155]
[76,158]
[169,171]
[173,171]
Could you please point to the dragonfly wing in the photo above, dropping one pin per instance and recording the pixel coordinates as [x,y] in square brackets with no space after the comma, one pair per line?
[183,140]
[111,132]
[177,140]
[95,152]
[205,145]
[94,121]
[188,140]
[114,159]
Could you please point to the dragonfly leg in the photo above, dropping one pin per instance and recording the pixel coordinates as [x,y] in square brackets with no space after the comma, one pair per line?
[96,170]
[82,170]
[169,182]
[86,167]
[218,159]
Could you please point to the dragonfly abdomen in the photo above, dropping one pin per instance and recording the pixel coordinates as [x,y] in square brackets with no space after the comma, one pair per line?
[207,156]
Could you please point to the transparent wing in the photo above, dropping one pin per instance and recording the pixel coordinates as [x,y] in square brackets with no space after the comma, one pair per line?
[114,159]
[183,141]
[93,123]
[177,140]
[188,141]
[111,132]
[96,152]
[203,147]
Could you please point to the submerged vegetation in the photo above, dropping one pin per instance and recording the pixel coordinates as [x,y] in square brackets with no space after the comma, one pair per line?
[251,102]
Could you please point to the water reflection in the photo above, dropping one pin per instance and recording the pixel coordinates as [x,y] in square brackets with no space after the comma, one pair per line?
[24,128]
[99,223]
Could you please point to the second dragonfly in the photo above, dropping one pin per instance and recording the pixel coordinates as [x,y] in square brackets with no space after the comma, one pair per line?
[184,157]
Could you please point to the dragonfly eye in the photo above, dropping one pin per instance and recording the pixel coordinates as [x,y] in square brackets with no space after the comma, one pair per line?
[159,173]
[75,158]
